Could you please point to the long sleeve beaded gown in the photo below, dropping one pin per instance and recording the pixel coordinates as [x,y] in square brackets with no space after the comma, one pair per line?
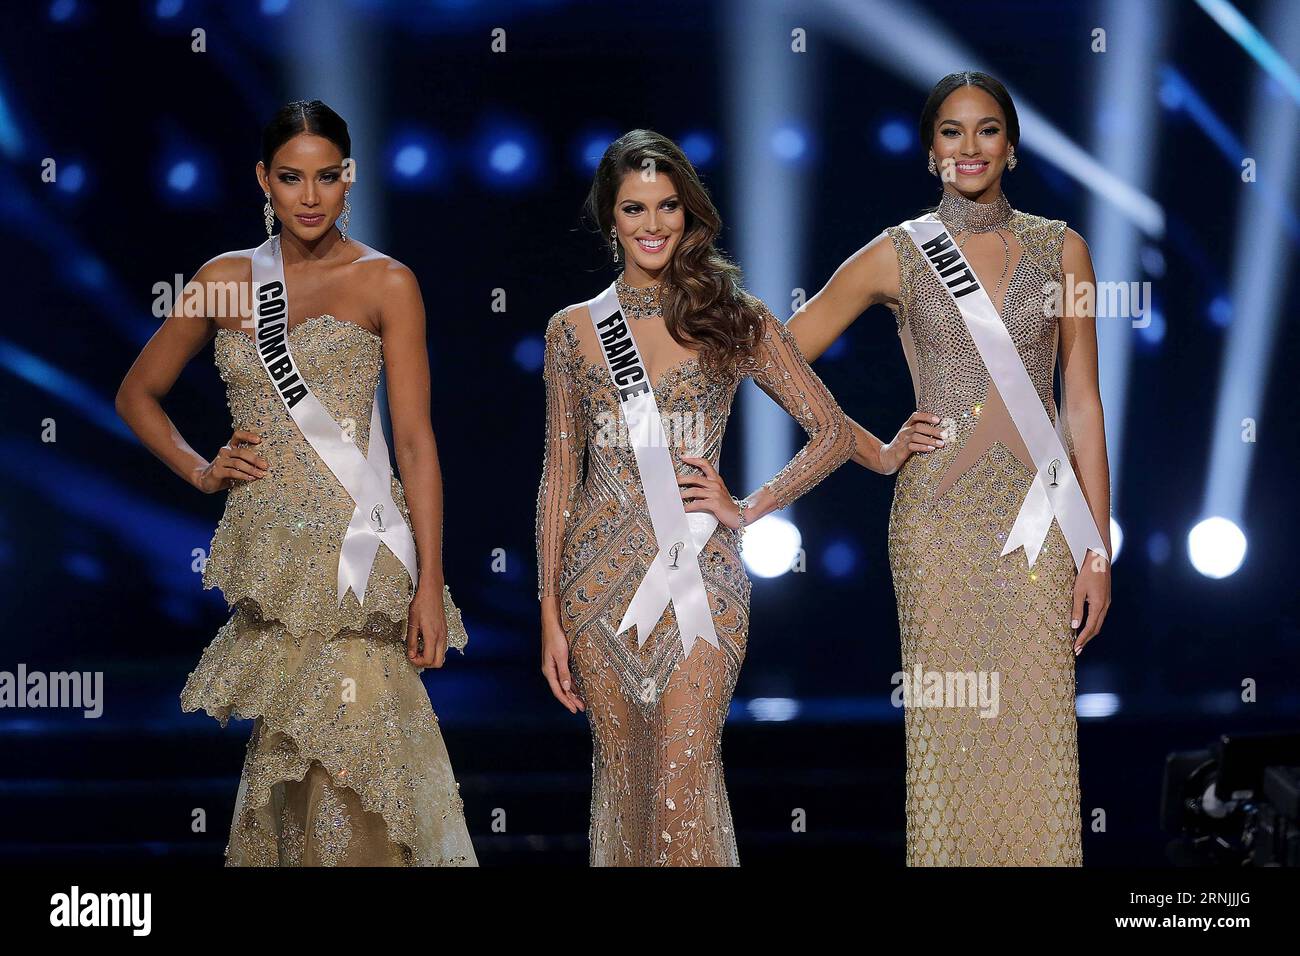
[658,795]
[1000,790]
[346,765]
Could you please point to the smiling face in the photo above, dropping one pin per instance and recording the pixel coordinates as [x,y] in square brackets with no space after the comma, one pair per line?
[306,185]
[650,220]
[970,140]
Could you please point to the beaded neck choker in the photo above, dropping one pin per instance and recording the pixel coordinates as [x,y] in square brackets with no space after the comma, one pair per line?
[960,214]
[639,302]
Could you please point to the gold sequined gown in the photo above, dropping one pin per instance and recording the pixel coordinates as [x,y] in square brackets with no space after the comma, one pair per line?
[346,764]
[998,790]
[658,795]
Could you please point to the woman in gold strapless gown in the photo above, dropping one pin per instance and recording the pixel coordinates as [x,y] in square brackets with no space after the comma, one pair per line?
[655,712]
[346,765]
[981,789]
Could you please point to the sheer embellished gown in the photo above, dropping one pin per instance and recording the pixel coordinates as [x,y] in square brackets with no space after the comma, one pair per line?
[346,764]
[658,795]
[1001,790]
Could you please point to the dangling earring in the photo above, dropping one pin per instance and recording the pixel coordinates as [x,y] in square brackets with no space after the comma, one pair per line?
[269,215]
[613,242]
[343,218]
[1011,157]
[933,167]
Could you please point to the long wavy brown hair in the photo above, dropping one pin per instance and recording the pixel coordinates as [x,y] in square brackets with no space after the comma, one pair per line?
[704,302]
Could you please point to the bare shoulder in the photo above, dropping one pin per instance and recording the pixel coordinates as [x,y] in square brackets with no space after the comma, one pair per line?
[385,273]
[234,266]
[1074,244]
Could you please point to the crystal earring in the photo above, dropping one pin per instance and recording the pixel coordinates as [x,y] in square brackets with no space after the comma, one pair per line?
[1011,157]
[343,218]
[269,215]
[613,242]
[933,167]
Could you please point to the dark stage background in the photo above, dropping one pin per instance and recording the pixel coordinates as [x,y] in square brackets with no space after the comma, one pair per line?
[472,168]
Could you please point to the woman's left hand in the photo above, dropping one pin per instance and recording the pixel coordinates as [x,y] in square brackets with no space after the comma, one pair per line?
[426,626]
[708,492]
[1091,587]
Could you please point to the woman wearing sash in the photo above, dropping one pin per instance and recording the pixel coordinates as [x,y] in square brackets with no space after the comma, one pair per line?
[315,553]
[998,562]
[644,599]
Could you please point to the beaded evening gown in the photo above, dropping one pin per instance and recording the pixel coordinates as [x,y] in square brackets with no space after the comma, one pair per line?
[1001,790]
[346,765]
[658,795]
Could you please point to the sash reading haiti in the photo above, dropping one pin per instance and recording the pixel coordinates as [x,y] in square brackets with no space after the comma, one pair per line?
[1055,491]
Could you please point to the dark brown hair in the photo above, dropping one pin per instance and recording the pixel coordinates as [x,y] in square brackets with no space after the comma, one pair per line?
[955,81]
[304,116]
[704,302]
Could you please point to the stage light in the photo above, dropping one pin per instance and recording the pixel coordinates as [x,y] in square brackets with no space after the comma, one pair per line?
[1096,705]
[61,11]
[1219,311]
[765,88]
[1216,547]
[182,176]
[698,147]
[273,8]
[1116,539]
[840,559]
[773,708]
[1153,261]
[507,156]
[771,546]
[1260,271]
[896,136]
[529,352]
[72,177]
[789,143]
[1158,548]
[166,9]
[591,147]
[410,161]
[1153,333]
[416,159]
[1274,62]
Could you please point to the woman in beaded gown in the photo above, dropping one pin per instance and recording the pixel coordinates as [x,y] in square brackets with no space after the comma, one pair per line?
[981,789]
[346,765]
[655,712]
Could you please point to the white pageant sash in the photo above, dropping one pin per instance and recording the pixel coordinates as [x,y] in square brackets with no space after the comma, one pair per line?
[674,575]
[1055,491]
[367,478]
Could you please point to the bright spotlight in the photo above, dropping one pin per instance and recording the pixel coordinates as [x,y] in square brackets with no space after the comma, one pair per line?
[182,176]
[789,144]
[1096,705]
[773,708]
[1116,539]
[410,160]
[592,147]
[507,156]
[698,148]
[1220,311]
[529,352]
[771,546]
[896,136]
[1153,333]
[1216,547]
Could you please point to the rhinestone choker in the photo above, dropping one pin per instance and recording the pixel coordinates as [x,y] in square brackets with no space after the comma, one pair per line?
[639,303]
[960,214]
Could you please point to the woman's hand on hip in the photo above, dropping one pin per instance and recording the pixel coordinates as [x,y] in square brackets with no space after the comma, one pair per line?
[708,492]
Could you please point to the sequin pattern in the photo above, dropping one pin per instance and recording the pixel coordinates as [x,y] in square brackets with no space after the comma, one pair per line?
[1002,790]
[658,793]
[346,764]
